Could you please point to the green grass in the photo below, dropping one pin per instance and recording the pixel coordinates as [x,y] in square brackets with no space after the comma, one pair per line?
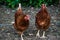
[34,3]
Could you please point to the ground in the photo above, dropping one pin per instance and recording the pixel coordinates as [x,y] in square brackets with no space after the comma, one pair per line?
[7,31]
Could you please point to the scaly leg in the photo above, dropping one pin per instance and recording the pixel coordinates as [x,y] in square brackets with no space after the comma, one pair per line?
[22,37]
[43,36]
[37,35]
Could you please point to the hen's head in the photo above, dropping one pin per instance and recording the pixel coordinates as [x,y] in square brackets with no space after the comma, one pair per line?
[27,17]
[19,9]
[43,6]
[19,6]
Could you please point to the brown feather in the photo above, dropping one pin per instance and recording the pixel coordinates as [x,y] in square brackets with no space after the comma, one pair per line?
[20,23]
[42,19]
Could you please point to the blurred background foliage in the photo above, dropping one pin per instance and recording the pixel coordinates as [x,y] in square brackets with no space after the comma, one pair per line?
[26,3]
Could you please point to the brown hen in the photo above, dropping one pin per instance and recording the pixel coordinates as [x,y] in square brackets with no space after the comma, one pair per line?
[42,19]
[21,20]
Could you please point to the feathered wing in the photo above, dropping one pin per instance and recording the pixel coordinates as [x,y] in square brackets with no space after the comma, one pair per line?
[42,19]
